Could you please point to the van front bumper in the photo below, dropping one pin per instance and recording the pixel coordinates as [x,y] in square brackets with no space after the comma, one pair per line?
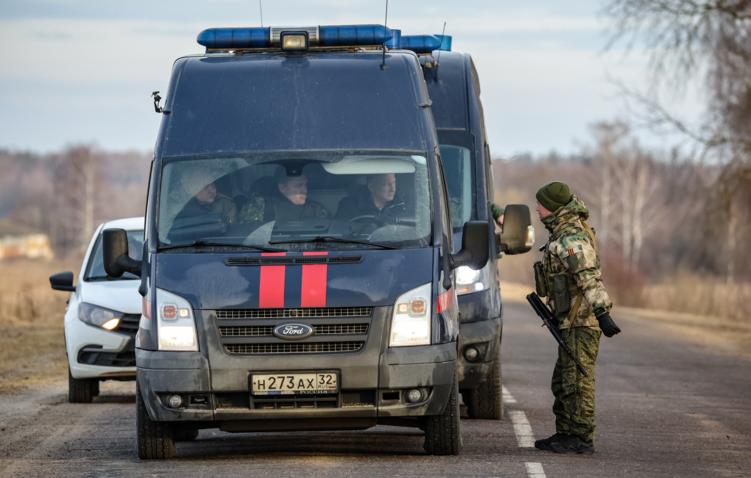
[430,369]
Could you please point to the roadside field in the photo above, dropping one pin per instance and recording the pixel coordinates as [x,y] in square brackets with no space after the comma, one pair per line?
[31,323]
[714,331]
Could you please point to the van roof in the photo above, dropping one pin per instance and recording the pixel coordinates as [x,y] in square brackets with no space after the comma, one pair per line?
[312,101]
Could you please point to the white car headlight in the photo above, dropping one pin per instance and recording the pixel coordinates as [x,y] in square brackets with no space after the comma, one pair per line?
[176,327]
[107,319]
[410,322]
[468,280]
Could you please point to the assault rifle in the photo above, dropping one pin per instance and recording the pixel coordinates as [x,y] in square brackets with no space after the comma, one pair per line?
[549,321]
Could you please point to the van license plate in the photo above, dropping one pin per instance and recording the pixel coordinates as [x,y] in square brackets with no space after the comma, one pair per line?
[294,383]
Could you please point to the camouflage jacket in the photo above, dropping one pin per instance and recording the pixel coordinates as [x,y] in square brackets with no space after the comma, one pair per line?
[225,207]
[221,205]
[571,268]
[261,209]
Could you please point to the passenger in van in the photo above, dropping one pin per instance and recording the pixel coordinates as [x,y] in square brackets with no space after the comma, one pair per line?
[292,203]
[206,198]
[376,201]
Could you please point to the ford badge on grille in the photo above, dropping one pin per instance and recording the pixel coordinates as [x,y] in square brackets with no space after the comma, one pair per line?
[293,331]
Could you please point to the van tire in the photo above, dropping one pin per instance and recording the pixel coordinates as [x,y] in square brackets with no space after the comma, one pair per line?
[82,390]
[485,401]
[443,435]
[154,439]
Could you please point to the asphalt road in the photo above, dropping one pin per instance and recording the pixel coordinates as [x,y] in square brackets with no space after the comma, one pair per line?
[666,407]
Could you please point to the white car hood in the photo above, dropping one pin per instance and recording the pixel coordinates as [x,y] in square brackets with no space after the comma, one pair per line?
[121,295]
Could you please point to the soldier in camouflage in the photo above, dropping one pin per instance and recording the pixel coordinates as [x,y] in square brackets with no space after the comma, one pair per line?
[570,277]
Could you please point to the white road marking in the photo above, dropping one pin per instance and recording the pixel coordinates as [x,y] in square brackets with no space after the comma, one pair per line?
[522,429]
[524,436]
[534,470]
[507,397]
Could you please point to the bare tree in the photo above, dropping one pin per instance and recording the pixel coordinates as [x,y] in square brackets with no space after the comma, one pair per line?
[712,38]
[74,206]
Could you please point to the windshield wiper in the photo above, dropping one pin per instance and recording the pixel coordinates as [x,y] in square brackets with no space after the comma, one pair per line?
[341,240]
[202,243]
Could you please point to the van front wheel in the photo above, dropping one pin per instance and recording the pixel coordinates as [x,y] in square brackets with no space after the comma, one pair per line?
[486,399]
[154,439]
[443,432]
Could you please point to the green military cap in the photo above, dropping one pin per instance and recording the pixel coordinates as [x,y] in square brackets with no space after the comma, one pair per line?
[496,210]
[554,196]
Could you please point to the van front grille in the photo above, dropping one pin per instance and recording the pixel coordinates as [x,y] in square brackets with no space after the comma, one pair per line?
[268,330]
[301,313]
[294,348]
[335,330]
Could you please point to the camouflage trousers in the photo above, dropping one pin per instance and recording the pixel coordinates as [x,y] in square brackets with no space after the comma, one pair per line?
[574,405]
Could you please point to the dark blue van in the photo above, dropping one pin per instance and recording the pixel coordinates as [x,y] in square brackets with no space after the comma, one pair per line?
[454,88]
[299,270]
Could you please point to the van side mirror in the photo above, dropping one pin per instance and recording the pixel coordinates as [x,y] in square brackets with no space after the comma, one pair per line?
[115,252]
[62,281]
[518,234]
[474,252]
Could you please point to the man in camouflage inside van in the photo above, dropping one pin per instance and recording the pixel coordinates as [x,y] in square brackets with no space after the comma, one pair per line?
[570,277]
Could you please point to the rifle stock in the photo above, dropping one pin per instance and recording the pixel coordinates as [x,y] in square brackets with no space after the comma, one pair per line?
[550,322]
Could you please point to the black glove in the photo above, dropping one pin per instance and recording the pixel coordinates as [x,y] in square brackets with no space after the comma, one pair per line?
[607,324]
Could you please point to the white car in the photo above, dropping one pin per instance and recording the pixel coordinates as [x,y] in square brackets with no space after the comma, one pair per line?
[102,317]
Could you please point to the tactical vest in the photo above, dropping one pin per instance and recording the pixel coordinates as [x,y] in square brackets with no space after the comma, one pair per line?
[554,281]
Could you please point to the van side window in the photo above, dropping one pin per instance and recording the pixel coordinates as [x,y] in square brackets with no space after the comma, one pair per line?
[445,209]
[457,163]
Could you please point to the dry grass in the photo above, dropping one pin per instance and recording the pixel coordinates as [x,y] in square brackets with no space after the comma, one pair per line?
[706,312]
[696,295]
[31,323]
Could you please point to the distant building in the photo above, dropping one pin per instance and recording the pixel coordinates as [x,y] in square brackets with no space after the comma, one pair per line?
[20,242]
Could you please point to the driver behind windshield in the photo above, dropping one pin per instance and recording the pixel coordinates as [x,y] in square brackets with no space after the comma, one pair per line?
[376,201]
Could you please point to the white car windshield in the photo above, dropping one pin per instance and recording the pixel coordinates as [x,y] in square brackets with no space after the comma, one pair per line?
[294,202]
[95,267]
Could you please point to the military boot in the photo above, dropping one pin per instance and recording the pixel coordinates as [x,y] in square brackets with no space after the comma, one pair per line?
[544,444]
[572,444]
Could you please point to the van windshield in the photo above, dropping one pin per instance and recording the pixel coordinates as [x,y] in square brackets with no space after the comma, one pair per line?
[457,167]
[294,202]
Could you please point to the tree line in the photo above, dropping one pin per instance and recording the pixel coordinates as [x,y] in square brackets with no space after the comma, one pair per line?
[66,194]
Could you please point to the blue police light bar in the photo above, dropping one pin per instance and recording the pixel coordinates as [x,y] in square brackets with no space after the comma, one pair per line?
[346,35]
[235,38]
[420,43]
[425,43]
[325,35]
[445,42]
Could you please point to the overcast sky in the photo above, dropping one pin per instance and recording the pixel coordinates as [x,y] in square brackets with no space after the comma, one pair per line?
[82,71]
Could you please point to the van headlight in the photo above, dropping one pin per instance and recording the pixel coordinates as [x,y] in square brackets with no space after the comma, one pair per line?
[176,327]
[97,316]
[410,322]
[468,280]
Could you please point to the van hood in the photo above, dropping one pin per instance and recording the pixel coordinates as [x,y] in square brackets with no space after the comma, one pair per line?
[278,280]
[119,295]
